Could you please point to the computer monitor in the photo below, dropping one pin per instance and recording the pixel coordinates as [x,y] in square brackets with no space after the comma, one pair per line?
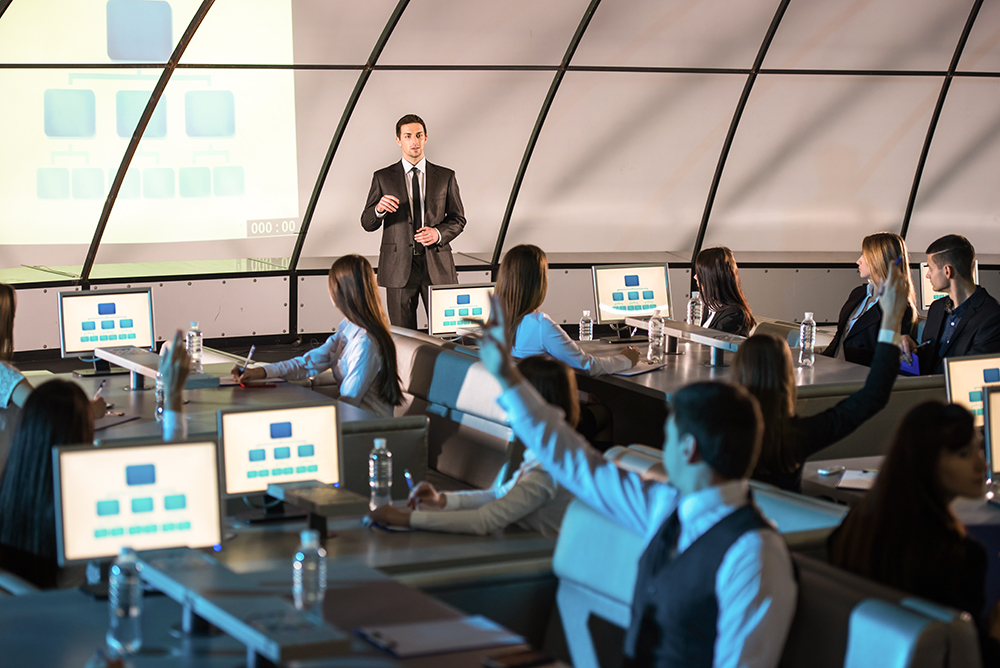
[927,294]
[630,290]
[452,307]
[991,406]
[146,497]
[288,444]
[92,319]
[965,378]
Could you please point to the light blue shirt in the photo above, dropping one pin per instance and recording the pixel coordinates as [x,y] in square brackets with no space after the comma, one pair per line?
[538,333]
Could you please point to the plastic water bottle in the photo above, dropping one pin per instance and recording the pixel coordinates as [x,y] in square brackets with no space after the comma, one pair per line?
[309,573]
[586,327]
[195,343]
[695,308]
[124,604]
[380,475]
[654,355]
[160,394]
[807,341]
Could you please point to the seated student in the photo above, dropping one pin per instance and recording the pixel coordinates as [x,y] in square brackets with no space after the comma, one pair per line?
[58,412]
[718,278]
[522,282]
[967,321]
[763,365]
[531,498]
[14,387]
[858,324]
[904,534]
[361,354]
[715,585]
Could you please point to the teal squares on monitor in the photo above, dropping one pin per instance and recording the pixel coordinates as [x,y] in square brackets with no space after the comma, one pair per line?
[228,181]
[647,294]
[175,502]
[209,113]
[195,181]
[139,30]
[449,313]
[70,113]
[258,455]
[991,375]
[88,183]
[976,396]
[129,105]
[125,324]
[633,294]
[52,183]
[88,326]
[106,508]
[142,505]
[282,453]
[618,296]
[158,183]
[306,451]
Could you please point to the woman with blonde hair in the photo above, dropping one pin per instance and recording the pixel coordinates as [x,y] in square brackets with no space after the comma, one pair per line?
[361,354]
[857,326]
[718,278]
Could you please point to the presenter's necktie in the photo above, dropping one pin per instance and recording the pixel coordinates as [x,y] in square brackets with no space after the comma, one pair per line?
[418,248]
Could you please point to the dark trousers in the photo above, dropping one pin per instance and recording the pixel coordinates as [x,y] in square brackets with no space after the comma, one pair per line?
[401,303]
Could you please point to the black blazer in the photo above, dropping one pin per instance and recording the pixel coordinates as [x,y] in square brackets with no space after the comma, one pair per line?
[978,333]
[859,345]
[812,433]
[731,320]
[443,210]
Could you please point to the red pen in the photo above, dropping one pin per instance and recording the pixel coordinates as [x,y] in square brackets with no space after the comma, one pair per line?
[254,386]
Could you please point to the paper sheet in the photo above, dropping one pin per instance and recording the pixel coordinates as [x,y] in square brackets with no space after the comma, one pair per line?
[857,480]
[449,635]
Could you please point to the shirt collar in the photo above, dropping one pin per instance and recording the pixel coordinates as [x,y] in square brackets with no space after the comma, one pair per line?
[733,494]
[957,311]
[422,165]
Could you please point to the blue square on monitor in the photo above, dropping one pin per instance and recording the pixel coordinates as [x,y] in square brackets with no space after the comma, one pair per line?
[106,309]
[976,396]
[281,430]
[89,326]
[647,294]
[105,508]
[140,30]
[158,183]
[282,453]
[143,505]
[228,181]
[129,105]
[88,183]
[209,113]
[632,281]
[617,296]
[52,183]
[196,181]
[70,113]
[258,455]
[107,324]
[634,294]
[306,451]
[463,299]
[449,313]
[174,502]
[991,375]
[140,474]
[126,323]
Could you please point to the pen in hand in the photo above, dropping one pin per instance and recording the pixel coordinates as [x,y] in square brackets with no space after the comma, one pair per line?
[100,388]
[249,358]
[409,479]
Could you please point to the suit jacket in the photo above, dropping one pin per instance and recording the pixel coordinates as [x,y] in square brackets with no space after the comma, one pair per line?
[859,344]
[978,333]
[731,320]
[442,210]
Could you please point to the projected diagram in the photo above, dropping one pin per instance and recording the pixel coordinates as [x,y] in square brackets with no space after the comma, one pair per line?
[280,456]
[190,151]
[630,297]
[464,311]
[111,329]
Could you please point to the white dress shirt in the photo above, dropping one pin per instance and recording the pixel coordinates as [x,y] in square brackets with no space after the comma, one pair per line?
[755,584]
[531,499]
[355,361]
[538,333]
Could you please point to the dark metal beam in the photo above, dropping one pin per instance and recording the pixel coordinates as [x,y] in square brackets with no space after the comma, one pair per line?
[537,129]
[936,116]
[140,128]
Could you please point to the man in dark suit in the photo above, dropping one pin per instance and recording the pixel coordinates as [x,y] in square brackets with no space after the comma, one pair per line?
[967,322]
[419,208]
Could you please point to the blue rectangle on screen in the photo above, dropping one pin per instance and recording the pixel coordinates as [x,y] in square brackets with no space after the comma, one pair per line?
[449,313]
[143,505]
[976,396]
[175,502]
[991,375]
[107,324]
[463,311]
[306,451]
[282,453]
[106,309]
[125,323]
[89,326]
[633,295]
[105,508]
[647,294]
[140,474]
[617,296]
[281,430]
[258,455]
[463,299]
[477,311]
[631,281]
[209,113]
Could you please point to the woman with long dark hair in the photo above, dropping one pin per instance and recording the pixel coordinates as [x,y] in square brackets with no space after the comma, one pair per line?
[718,278]
[763,365]
[361,354]
[904,534]
[522,281]
[14,388]
[857,325]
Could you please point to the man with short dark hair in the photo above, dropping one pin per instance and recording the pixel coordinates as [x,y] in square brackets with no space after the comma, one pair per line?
[967,321]
[419,208]
[715,584]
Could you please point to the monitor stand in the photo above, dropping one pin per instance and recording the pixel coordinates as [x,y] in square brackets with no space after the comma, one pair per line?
[101,368]
[271,514]
[619,339]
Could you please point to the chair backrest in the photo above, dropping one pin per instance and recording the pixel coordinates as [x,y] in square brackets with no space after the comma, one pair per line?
[789,331]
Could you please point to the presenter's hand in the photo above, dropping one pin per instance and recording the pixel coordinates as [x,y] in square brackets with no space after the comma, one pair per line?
[425,494]
[632,354]
[494,352]
[175,365]
[388,204]
[390,516]
[427,236]
[255,373]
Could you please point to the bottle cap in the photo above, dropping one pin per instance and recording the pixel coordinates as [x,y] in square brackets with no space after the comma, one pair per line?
[309,537]
[194,324]
[380,443]
[809,315]
[586,314]
[695,293]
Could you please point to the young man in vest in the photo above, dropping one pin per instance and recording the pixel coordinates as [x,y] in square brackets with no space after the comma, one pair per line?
[715,584]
